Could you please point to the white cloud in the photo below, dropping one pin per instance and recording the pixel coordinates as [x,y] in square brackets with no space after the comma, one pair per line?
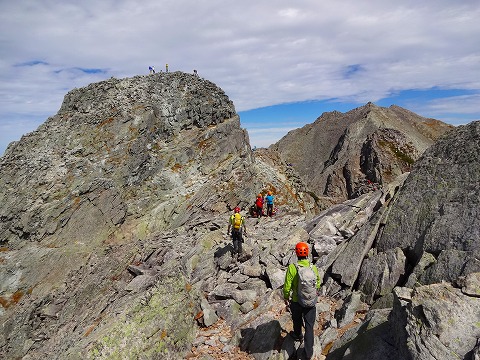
[464,104]
[264,137]
[260,53]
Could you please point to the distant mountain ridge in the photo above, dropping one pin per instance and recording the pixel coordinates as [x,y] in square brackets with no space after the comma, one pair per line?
[339,151]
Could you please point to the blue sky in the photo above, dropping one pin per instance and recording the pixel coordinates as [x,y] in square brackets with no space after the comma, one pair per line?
[282,63]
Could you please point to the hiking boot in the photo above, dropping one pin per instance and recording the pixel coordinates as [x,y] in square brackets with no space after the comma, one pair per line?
[304,356]
[295,336]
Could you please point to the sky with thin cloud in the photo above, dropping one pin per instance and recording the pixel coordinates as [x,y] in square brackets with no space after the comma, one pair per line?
[282,63]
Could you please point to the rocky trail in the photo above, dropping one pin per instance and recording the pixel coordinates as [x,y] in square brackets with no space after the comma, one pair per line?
[220,340]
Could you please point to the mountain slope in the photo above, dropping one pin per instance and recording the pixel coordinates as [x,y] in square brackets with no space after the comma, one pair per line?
[121,161]
[339,152]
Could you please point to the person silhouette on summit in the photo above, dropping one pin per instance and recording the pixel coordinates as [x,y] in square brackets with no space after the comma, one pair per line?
[236,224]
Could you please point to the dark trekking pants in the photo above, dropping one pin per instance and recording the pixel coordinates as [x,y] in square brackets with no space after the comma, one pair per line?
[269,209]
[237,241]
[306,317]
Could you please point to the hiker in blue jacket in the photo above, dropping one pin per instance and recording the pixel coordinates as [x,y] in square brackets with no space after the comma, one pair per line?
[269,201]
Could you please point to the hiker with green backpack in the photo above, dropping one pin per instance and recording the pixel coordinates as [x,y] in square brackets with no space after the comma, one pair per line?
[302,282]
[236,224]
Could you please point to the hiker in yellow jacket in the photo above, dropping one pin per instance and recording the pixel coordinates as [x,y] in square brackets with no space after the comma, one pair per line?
[236,224]
[302,306]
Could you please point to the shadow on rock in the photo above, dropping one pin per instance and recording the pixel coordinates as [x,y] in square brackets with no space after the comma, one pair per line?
[261,341]
[222,251]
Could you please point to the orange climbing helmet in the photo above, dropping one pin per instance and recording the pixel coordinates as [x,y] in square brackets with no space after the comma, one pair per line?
[259,195]
[236,210]
[269,193]
[301,249]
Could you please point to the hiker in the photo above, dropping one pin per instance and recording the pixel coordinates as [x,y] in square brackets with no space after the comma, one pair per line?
[236,223]
[195,72]
[152,69]
[269,200]
[259,206]
[302,282]
[166,67]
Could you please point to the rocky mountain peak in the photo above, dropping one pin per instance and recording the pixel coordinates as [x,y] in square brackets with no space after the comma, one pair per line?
[177,101]
[122,159]
[137,138]
[340,152]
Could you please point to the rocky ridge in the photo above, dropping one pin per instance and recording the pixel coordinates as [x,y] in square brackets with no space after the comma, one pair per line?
[136,262]
[337,154]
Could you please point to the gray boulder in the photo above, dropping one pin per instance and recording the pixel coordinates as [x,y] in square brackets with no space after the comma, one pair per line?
[372,340]
[380,273]
[440,322]
[441,197]
[471,284]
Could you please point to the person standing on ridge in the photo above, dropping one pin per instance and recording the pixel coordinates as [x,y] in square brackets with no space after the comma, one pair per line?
[259,206]
[236,224]
[166,67]
[269,199]
[302,282]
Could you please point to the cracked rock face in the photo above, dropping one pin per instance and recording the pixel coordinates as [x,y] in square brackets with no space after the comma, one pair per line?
[123,147]
[437,209]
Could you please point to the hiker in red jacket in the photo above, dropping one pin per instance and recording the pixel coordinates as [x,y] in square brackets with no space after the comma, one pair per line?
[259,205]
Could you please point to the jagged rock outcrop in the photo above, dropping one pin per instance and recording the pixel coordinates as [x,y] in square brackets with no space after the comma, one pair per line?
[339,155]
[442,200]
[135,145]
[437,322]
[290,191]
